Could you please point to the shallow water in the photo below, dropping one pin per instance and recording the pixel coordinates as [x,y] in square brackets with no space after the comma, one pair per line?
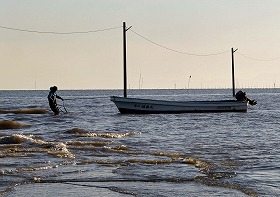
[94,151]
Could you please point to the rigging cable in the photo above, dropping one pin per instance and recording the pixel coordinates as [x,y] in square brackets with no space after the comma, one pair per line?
[64,33]
[112,28]
[181,52]
[263,60]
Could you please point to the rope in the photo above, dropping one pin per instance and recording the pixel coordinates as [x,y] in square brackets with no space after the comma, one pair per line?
[149,40]
[176,51]
[263,60]
[61,33]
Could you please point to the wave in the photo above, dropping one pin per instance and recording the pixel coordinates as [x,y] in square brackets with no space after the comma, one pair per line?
[203,166]
[24,111]
[31,144]
[83,133]
[86,144]
[7,124]
[13,139]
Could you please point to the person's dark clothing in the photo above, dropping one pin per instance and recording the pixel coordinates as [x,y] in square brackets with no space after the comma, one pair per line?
[52,102]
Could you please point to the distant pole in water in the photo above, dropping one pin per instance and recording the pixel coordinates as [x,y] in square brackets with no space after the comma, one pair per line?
[124,60]
[140,81]
[232,66]
[189,81]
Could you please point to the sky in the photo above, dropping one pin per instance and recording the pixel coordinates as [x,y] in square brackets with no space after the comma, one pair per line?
[169,41]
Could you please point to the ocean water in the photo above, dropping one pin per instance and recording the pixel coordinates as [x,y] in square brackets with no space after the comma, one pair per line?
[94,151]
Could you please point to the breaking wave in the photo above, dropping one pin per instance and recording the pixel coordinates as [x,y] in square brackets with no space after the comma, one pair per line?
[30,144]
[83,133]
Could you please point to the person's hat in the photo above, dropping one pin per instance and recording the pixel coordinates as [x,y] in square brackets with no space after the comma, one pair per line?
[53,88]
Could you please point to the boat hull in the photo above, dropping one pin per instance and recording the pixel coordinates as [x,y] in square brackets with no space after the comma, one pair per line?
[147,106]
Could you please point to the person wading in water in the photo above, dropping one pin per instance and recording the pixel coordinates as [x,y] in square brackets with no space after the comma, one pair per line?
[52,100]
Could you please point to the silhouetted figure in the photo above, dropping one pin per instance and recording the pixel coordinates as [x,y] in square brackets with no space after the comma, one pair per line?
[52,100]
[241,96]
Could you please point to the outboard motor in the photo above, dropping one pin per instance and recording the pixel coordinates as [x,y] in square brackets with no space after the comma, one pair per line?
[241,96]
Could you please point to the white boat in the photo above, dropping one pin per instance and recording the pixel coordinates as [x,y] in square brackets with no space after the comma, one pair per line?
[127,105]
[147,106]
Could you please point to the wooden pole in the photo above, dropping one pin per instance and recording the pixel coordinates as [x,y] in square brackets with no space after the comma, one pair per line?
[124,62]
[232,72]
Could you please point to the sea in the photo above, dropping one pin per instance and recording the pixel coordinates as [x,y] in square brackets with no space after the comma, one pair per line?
[90,149]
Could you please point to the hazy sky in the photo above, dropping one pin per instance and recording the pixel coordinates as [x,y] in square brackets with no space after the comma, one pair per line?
[95,60]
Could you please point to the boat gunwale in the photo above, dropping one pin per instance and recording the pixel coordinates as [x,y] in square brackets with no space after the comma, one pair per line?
[133,100]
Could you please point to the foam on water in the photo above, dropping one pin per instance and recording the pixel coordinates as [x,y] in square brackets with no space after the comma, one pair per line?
[83,133]
[31,144]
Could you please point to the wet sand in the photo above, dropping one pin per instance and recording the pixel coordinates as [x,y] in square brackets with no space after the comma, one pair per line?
[89,189]
[63,190]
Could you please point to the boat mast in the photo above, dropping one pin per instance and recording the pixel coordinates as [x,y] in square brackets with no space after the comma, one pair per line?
[124,61]
[232,72]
